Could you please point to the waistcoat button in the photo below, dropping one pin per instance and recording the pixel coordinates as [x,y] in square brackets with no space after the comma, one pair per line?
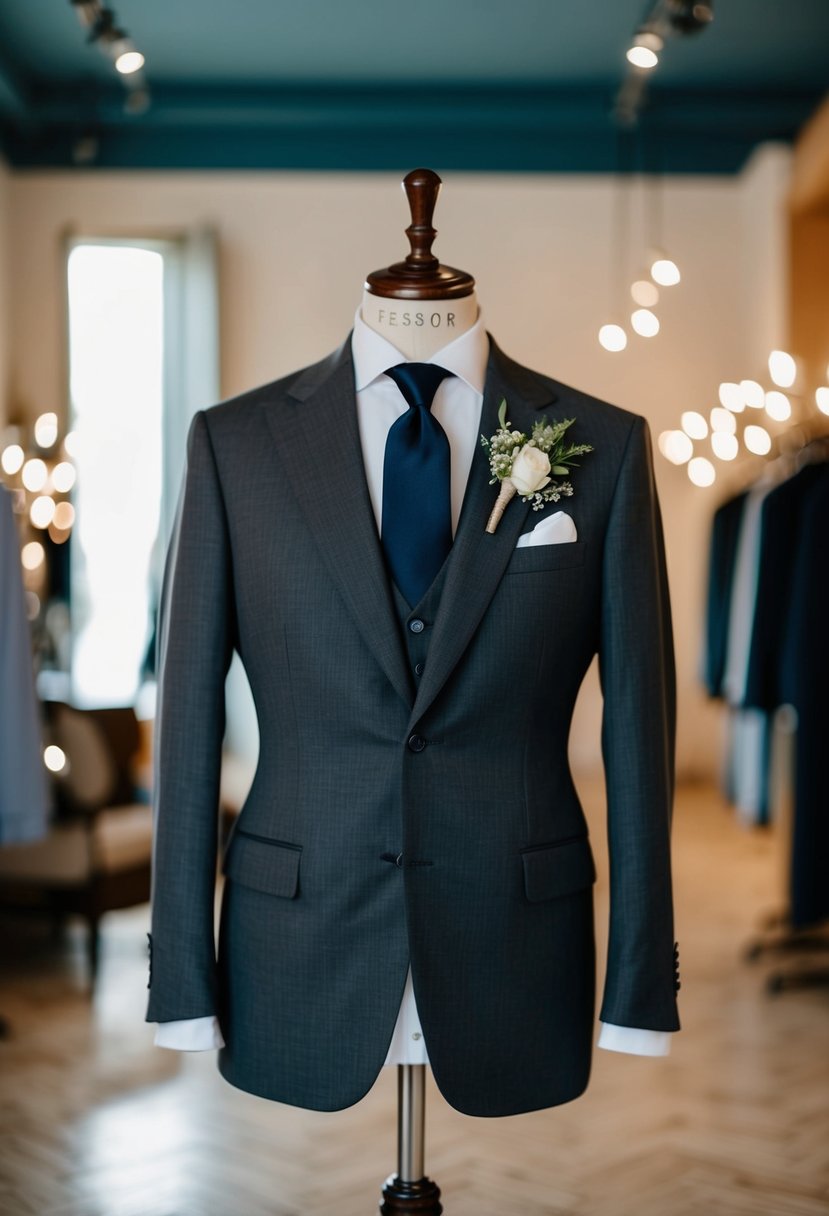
[416,626]
[418,669]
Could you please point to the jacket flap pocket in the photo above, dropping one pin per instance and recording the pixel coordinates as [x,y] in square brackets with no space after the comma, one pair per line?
[266,865]
[558,869]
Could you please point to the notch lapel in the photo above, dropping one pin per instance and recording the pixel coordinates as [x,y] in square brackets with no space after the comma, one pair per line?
[478,559]
[339,514]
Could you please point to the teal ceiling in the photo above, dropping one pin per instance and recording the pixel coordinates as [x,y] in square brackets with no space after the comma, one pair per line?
[375,84]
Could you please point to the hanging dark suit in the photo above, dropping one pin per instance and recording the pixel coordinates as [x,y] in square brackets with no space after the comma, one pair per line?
[722,554]
[391,819]
[768,679]
[806,656]
[789,664]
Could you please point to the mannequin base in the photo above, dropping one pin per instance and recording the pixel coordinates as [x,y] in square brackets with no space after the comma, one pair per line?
[400,1197]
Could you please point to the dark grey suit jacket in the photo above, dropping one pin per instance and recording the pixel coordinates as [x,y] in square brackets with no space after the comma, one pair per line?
[275,553]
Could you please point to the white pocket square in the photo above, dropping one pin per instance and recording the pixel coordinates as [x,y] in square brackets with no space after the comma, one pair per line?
[553,530]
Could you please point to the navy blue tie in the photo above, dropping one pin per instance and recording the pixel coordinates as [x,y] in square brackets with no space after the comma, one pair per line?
[416,524]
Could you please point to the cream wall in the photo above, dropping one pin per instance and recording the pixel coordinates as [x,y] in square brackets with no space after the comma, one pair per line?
[295,248]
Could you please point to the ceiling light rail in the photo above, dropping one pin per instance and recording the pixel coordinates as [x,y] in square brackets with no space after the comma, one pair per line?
[116,44]
[664,19]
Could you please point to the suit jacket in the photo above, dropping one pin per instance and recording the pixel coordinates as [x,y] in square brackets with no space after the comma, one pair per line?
[722,553]
[25,801]
[769,675]
[462,778]
[789,663]
[806,655]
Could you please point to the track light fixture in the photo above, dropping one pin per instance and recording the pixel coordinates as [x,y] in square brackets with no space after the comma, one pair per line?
[689,16]
[665,19]
[116,44]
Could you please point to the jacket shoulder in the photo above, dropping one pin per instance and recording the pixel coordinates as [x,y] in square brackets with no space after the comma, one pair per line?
[613,424]
[611,416]
[614,421]
[234,412]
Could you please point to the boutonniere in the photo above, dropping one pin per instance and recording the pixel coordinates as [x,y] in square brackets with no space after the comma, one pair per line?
[523,464]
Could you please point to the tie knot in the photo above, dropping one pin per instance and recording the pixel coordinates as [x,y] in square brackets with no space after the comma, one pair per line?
[418,382]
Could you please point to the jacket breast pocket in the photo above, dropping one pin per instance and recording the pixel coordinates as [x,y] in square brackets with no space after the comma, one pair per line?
[530,559]
[265,865]
[559,868]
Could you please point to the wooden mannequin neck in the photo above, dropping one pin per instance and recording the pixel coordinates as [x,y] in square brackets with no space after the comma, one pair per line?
[419,328]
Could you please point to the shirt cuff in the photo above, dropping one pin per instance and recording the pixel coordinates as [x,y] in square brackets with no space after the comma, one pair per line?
[635,1042]
[190,1034]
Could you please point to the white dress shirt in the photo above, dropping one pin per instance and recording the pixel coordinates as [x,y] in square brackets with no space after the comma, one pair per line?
[457,407]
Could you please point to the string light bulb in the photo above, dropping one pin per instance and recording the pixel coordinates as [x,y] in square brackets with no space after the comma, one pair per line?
[731,397]
[613,337]
[724,445]
[32,555]
[675,446]
[63,476]
[753,394]
[64,516]
[12,459]
[782,368]
[54,758]
[664,270]
[723,420]
[645,322]
[644,293]
[778,406]
[757,440]
[46,430]
[701,471]
[42,511]
[34,474]
[693,424]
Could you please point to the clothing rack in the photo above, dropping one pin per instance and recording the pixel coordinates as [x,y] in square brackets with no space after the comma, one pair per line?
[778,669]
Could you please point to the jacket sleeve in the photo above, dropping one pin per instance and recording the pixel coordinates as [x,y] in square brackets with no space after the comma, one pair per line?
[194,646]
[638,680]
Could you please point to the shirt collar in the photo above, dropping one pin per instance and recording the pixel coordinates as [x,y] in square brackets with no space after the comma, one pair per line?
[467,355]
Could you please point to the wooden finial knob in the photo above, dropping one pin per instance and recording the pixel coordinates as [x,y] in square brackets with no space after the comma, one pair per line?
[420,276]
[422,188]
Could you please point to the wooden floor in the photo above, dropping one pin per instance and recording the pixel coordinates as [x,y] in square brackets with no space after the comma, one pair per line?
[95,1121]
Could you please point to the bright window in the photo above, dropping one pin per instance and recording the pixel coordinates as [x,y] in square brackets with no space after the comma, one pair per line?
[116,374]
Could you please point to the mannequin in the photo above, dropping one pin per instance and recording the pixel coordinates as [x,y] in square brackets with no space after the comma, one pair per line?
[420,326]
[420,308]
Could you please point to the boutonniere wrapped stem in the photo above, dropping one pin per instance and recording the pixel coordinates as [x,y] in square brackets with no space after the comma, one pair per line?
[523,464]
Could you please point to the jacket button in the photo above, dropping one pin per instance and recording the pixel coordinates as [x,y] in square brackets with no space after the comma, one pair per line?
[416,743]
[398,861]
[416,626]
[418,669]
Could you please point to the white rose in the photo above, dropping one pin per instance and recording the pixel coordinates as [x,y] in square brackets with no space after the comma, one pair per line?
[530,470]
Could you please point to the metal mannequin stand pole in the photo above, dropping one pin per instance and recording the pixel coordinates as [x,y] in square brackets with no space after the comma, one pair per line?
[409,1190]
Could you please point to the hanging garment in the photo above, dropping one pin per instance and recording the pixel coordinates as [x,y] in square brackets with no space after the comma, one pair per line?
[23,786]
[747,773]
[722,555]
[789,664]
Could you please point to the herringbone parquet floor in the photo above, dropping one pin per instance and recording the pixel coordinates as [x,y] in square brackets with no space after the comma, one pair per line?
[95,1121]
